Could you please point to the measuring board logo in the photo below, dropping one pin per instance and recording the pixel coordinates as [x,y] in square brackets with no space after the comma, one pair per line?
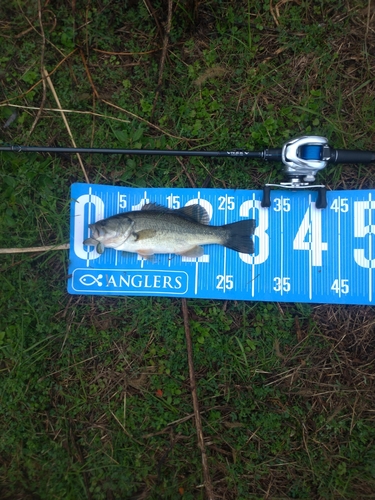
[302,254]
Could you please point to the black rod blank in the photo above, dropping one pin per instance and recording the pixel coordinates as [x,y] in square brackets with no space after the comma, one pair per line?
[159,152]
[275,154]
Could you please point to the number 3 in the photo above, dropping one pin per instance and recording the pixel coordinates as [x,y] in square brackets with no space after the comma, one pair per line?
[260,232]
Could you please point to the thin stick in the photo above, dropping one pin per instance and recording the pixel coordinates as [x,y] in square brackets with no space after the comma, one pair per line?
[192,183]
[126,53]
[163,55]
[67,111]
[146,121]
[40,110]
[65,246]
[46,75]
[89,74]
[197,415]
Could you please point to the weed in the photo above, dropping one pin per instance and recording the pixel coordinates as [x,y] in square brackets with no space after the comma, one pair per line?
[95,393]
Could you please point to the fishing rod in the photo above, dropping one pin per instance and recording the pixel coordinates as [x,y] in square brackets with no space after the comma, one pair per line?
[303,157]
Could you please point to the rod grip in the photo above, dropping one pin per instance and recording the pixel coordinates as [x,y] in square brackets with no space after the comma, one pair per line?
[352,156]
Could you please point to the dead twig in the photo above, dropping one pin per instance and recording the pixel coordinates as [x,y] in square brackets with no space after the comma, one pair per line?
[133,115]
[89,74]
[197,415]
[49,81]
[65,246]
[111,53]
[192,183]
[40,110]
[163,55]
[67,111]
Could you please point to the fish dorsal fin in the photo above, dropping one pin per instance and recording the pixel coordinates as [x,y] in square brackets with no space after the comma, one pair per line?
[155,206]
[194,213]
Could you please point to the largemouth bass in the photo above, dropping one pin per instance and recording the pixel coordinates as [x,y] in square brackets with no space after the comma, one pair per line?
[158,230]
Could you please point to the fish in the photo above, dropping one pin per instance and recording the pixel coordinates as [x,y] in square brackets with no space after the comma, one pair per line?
[156,229]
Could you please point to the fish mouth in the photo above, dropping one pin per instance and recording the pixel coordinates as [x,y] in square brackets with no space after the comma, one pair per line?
[90,242]
[95,243]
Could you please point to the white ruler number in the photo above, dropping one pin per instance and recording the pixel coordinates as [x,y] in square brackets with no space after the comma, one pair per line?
[226,203]
[340,205]
[260,232]
[340,286]
[95,212]
[362,229]
[281,284]
[173,201]
[224,282]
[207,205]
[311,228]
[281,204]
[121,200]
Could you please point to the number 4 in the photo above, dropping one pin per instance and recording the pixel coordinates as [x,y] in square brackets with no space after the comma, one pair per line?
[311,227]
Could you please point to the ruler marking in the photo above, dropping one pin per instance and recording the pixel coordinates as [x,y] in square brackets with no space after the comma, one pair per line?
[310,247]
[252,260]
[225,250]
[338,244]
[196,260]
[89,222]
[282,246]
[370,248]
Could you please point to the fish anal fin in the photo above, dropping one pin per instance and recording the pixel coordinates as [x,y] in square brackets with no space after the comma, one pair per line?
[196,251]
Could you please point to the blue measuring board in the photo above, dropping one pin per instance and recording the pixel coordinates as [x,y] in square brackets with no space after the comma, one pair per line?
[302,254]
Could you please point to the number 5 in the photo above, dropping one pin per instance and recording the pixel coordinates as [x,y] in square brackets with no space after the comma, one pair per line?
[361,229]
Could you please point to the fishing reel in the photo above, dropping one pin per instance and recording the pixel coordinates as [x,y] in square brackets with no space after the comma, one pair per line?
[303,158]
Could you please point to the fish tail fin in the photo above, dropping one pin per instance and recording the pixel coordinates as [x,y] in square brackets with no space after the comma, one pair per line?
[238,236]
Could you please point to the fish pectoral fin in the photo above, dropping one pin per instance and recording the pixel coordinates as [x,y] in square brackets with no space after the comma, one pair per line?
[193,252]
[144,234]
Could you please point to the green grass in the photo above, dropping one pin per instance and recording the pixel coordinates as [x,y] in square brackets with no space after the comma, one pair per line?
[95,399]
